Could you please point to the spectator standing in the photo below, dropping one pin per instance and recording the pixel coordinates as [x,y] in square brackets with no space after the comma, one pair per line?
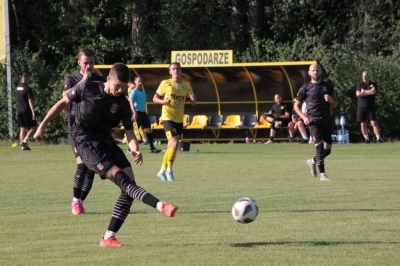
[366,92]
[279,115]
[172,94]
[320,98]
[137,101]
[26,112]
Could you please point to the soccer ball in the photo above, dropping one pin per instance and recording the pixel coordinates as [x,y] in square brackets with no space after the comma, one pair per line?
[245,210]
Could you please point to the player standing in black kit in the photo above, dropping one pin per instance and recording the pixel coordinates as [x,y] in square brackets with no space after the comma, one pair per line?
[100,106]
[26,112]
[319,97]
[83,178]
[366,92]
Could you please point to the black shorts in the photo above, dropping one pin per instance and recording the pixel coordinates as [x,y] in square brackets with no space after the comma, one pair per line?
[99,155]
[142,120]
[321,131]
[25,120]
[172,128]
[364,113]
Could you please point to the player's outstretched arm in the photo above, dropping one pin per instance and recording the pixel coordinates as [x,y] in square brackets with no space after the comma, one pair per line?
[51,114]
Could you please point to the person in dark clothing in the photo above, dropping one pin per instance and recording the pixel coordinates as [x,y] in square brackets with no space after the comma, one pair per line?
[83,177]
[320,98]
[26,112]
[100,106]
[279,115]
[366,92]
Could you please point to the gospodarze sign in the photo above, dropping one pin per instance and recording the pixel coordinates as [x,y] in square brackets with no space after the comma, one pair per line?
[213,58]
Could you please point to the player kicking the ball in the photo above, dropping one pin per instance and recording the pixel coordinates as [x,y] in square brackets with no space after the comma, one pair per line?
[100,106]
[319,97]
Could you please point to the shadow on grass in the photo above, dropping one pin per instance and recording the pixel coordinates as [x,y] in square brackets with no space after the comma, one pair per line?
[309,243]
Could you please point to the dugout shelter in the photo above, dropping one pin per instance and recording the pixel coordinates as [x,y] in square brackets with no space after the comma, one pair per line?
[239,89]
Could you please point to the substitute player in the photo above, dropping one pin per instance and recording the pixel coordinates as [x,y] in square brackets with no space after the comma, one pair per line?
[172,94]
[83,178]
[99,107]
[319,97]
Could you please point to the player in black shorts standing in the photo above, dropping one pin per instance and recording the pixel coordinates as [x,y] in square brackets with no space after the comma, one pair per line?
[26,112]
[366,92]
[83,178]
[319,97]
[100,106]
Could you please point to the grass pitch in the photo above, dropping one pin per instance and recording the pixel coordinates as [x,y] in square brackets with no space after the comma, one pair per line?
[352,220]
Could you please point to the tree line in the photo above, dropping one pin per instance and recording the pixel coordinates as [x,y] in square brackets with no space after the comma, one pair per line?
[346,37]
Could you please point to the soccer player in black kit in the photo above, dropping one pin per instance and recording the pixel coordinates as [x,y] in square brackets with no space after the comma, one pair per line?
[366,92]
[83,178]
[320,98]
[99,107]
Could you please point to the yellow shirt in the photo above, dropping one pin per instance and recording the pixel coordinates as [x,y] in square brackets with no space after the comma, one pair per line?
[177,92]
[129,90]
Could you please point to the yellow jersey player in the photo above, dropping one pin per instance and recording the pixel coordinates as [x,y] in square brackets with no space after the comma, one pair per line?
[172,94]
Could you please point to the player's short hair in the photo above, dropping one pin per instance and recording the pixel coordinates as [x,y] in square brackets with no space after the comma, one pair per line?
[174,63]
[120,71]
[86,52]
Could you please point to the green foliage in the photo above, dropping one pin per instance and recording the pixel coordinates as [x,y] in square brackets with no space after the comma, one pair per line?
[345,36]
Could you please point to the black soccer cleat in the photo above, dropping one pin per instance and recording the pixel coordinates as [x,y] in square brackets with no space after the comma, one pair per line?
[25,147]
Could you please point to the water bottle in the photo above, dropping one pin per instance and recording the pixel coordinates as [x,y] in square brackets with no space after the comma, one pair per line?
[340,136]
[342,121]
[346,139]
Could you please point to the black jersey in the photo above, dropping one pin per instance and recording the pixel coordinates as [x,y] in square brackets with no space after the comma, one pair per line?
[279,109]
[23,93]
[96,112]
[70,82]
[369,100]
[317,108]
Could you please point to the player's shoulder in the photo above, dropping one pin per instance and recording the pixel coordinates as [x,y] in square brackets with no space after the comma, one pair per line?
[373,84]
[166,82]
[74,76]
[186,83]
[305,86]
[97,77]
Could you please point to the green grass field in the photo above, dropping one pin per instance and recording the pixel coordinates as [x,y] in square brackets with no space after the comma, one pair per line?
[352,220]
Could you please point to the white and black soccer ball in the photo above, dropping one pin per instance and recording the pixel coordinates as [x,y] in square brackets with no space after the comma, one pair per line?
[245,210]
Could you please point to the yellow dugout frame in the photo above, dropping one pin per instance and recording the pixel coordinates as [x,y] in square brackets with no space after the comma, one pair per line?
[243,88]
